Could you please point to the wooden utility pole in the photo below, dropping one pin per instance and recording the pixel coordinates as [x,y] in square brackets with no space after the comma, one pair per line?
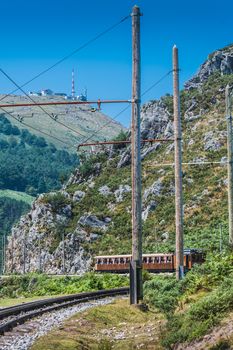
[136,292]
[4,255]
[39,268]
[63,253]
[12,255]
[24,254]
[230,163]
[178,169]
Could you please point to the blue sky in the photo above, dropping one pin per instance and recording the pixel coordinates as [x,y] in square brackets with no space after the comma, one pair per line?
[36,34]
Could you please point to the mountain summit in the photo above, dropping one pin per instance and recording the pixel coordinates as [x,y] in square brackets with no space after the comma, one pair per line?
[218,61]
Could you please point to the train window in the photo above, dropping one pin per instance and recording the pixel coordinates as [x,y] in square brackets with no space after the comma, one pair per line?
[157,260]
[116,261]
[169,259]
[144,260]
[121,261]
[110,261]
[105,261]
[127,260]
[150,260]
[162,260]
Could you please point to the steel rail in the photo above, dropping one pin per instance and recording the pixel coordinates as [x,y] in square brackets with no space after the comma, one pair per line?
[37,308]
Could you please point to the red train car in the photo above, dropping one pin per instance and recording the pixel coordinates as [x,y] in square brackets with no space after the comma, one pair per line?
[151,262]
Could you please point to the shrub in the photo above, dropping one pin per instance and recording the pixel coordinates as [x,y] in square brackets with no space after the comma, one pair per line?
[163,293]
[56,200]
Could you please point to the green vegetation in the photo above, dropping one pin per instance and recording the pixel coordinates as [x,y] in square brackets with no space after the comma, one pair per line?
[196,304]
[30,285]
[10,212]
[28,163]
[19,196]
[101,328]
[56,200]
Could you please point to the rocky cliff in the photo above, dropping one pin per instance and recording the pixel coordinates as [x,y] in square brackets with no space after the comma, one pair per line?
[220,61]
[92,212]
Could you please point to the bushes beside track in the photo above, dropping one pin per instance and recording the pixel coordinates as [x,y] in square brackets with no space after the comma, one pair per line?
[30,285]
[196,304]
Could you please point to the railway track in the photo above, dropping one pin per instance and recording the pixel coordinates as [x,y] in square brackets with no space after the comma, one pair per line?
[13,316]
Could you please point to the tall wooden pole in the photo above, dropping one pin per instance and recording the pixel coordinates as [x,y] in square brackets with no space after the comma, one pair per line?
[178,169]
[39,268]
[4,241]
[24,254]
[63,253]
[12,256]
[136,292]
[230,163]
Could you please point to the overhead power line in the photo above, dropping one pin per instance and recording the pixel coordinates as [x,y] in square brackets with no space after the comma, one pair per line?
[187,163]
[83,46]
[34,102]
[38,130]
[125,109]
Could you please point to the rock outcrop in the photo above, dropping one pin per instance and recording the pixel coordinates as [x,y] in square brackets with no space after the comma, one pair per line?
[220,61]
[36,242]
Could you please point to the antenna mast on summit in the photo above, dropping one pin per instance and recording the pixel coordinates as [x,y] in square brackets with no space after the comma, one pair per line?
[73,88]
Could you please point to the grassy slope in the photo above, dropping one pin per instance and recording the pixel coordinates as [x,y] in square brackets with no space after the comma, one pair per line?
[79,118]
[102,327]
[19,196]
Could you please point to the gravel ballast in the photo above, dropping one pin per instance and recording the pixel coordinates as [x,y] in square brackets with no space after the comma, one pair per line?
[23,336]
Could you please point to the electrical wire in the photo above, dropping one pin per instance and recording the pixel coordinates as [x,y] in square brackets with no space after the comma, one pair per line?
[187,163]
[44,110]
[69,55]
[38,130]
[123,110]
[157,82]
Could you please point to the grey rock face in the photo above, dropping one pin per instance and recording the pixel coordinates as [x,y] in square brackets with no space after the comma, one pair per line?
[155,189]
[224,160]
[165,236]
[219,61]
[121,191]
[155,120]
[92,221]
[105,190]
[34,235]
[125,159]
[151,207]
[149,150]
[211,142]
[78,196]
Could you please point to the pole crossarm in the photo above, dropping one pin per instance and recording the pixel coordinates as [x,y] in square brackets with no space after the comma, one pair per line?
[98,102]
[121,142]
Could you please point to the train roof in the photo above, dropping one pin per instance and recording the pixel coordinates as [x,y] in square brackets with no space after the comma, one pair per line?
[129,256]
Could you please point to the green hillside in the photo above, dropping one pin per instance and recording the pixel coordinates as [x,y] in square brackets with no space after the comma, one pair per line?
[28,163]
[84,120]
[19,196]
[205,191]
